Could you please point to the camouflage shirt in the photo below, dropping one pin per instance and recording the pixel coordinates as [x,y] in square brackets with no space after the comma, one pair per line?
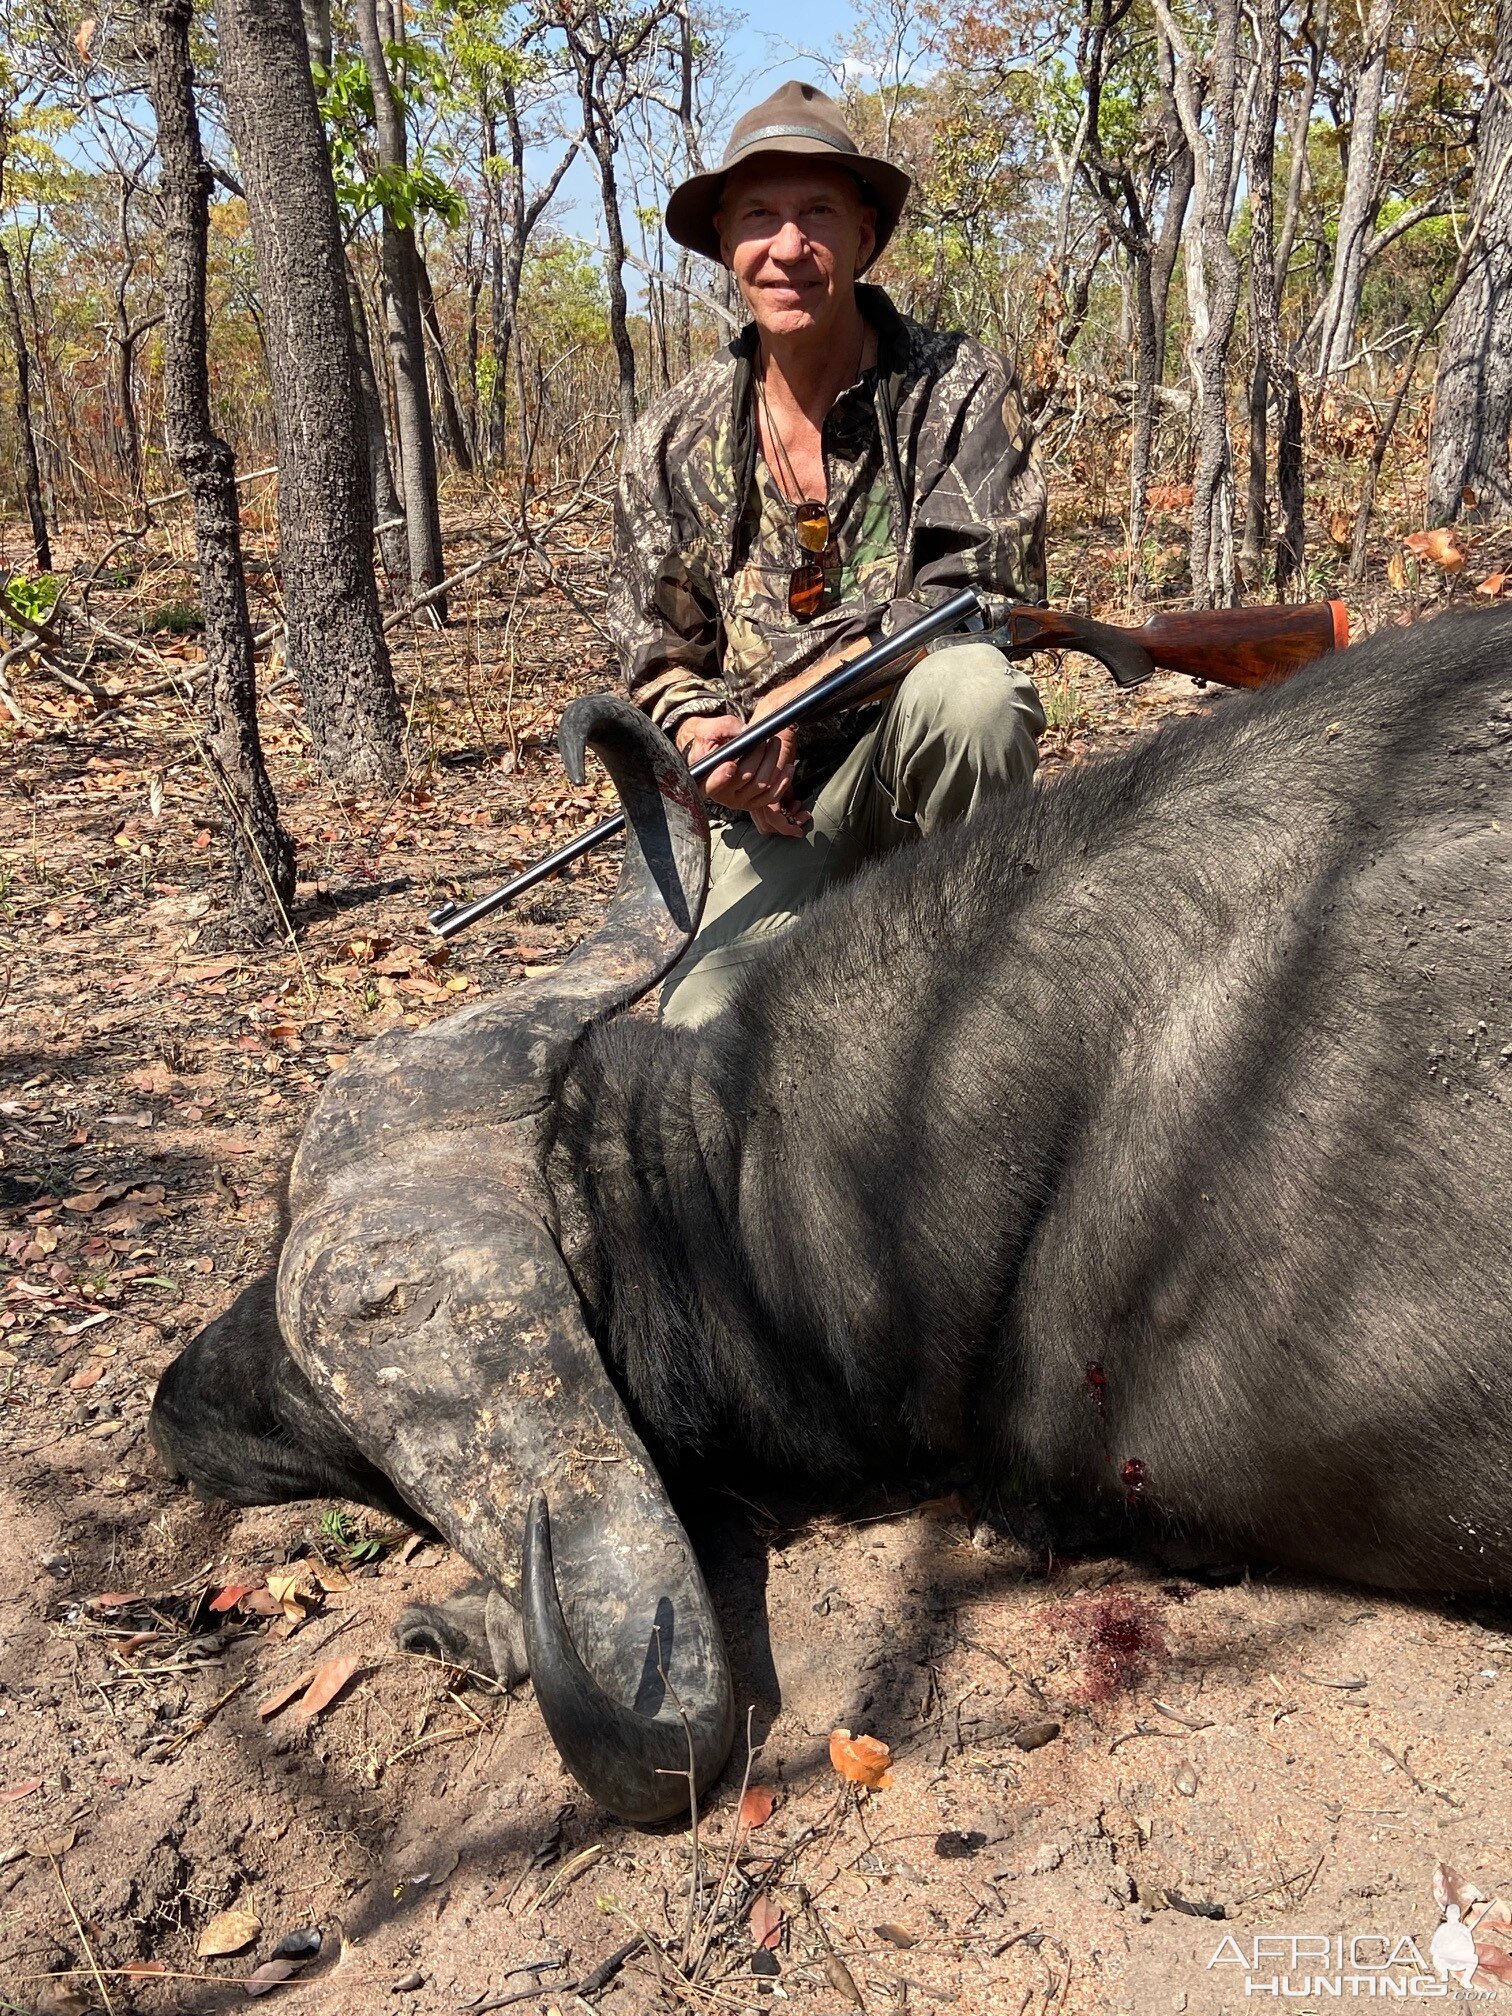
[932,488]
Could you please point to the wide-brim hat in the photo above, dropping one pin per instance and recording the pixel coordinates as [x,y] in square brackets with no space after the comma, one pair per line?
[796,119]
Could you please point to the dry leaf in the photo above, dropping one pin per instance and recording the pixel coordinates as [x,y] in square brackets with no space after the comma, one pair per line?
[1440,546]
[270,1974]
[756,1806]
[1341,529]
[22,1791]
[1396,572]
[85,35]
[138,1969]
[862,1760]
[328,1681]
[1449,1887]
[43,1845]
[766,1923]
[1492,585]
[87,1376]
[291,1593]
[841,1980]
[228,1932]
[282,1696]
[896,1935]
[1493,1961]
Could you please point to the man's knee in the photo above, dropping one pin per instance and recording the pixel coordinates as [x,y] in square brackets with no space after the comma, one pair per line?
[970,695]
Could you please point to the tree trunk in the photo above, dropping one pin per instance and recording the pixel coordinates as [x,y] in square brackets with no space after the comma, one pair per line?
[453,432]
[601,142]
[405,330]
[1167,247]
[1472,392]
[388,512]
[1264,324]
[123,354]
[325,505]
[261,853]
[31,472]
[1341,306]
[1213,280]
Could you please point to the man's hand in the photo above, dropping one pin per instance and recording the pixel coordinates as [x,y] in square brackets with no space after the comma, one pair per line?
[760,782]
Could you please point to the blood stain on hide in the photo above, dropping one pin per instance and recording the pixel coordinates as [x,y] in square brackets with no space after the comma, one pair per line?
[1097,1379]
[1134,1479]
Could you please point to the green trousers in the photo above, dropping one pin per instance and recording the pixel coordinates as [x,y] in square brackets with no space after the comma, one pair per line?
[961,725]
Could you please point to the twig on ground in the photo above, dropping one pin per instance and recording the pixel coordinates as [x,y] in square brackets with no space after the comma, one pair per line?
[89,1952]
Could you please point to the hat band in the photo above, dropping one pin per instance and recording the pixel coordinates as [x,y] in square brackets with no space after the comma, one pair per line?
[836,146]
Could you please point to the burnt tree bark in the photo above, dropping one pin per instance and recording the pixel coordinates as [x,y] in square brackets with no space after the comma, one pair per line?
[260,851]
[405,330]
[325,506]
[31,470]
[1472,393]
[388,511]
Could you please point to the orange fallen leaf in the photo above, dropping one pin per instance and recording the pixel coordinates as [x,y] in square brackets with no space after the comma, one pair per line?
[1396,572]
[1492,585]
[282,1696]
[22,1791]
[328,1682]
[1440,546]
[756,1805]
[862,1760]
[231,1595]
[87,1376]
[1493,1961]
[1341,530]
[138,1969]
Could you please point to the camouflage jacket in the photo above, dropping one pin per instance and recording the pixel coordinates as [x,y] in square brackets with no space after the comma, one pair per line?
[933,488]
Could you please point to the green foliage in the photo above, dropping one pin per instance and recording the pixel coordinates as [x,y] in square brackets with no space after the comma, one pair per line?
[345,94]
[343,1536]
[563,299]
[179,619]
[32,597]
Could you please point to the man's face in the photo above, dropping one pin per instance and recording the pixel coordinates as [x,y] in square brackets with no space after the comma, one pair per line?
[794,239]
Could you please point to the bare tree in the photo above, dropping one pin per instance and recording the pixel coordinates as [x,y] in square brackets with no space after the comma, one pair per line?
[405,329]
[606,46]
[1472,396]
[31,472]
[325,505]
[261,853]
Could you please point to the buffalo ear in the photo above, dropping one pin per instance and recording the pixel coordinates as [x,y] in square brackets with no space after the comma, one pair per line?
[664,879]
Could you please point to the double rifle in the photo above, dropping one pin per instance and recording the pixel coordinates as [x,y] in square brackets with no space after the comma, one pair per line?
[1231,647]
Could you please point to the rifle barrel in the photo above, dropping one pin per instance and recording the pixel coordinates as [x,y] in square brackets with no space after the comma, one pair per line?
[448,920]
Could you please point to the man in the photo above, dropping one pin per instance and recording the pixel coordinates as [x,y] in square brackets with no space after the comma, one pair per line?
[822,481]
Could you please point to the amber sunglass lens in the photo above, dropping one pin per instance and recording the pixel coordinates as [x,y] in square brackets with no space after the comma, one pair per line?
[813,526]
[805,591]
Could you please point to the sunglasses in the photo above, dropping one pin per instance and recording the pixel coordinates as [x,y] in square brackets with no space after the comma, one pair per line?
[811,524]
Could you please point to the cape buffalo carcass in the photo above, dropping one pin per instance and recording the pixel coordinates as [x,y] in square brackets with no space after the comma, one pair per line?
[1147,1136]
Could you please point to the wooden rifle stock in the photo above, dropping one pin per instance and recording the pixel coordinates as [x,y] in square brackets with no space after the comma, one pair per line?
[1232,647]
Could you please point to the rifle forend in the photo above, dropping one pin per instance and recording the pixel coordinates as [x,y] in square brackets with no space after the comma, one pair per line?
[1232,647]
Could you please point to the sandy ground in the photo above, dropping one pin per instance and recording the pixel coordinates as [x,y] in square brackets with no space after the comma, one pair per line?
[1111,1777]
